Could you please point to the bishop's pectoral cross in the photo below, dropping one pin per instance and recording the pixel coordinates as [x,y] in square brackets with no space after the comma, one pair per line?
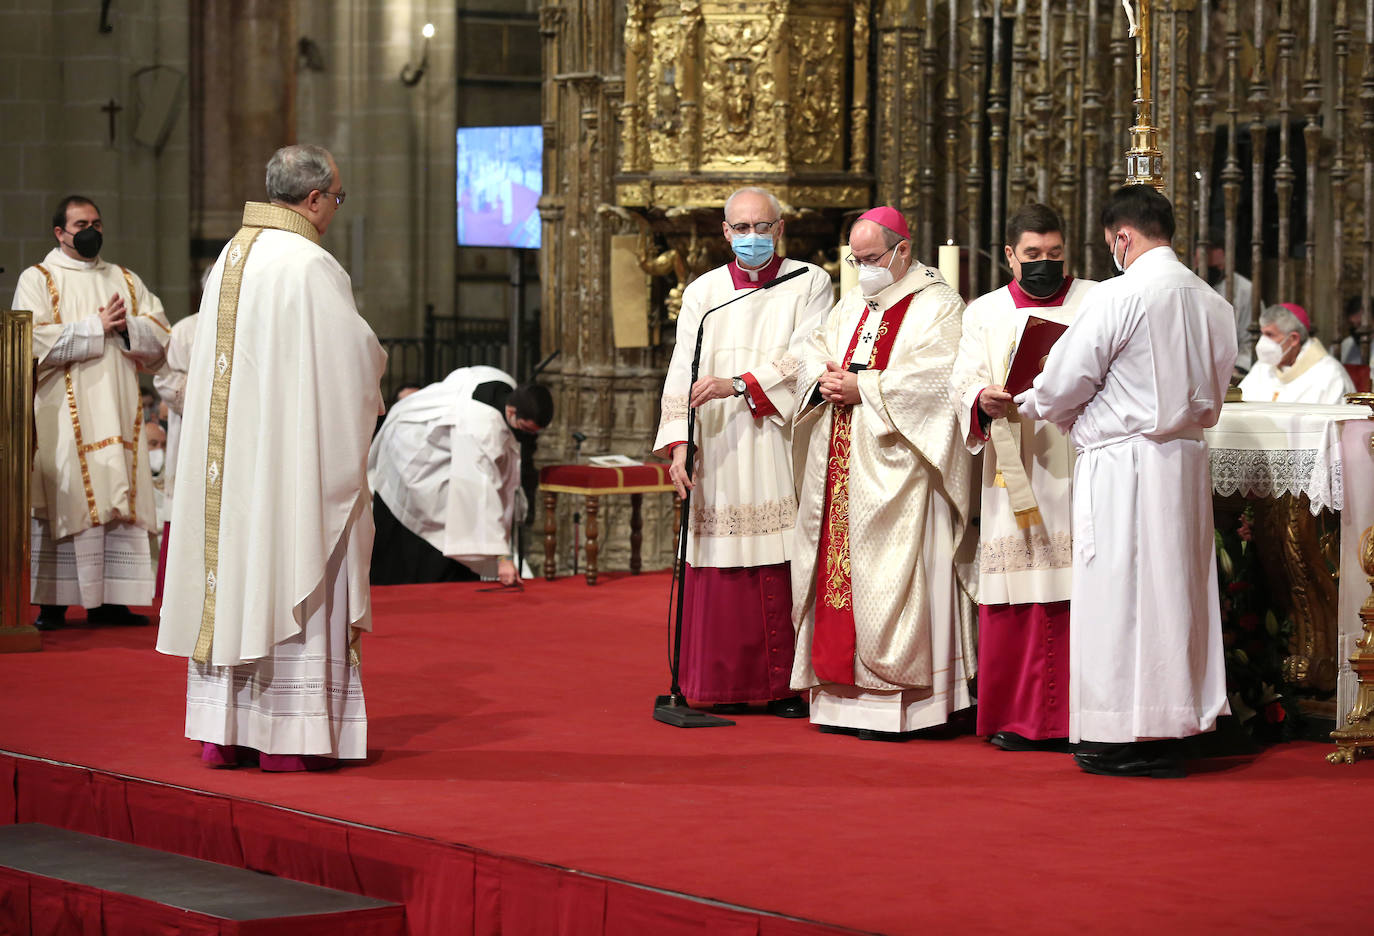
[112,109]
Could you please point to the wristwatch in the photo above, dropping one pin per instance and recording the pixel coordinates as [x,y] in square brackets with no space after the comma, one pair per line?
[739,385]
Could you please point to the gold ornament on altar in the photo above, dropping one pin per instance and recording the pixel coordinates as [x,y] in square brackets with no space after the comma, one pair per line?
[1144,159]
[1358,732]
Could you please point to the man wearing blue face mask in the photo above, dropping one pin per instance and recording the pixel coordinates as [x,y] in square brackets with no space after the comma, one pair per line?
[95,326]
[737,640]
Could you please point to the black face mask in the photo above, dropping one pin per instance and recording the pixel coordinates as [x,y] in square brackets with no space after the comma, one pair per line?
[87,242]
[1215,275]
[1042,278]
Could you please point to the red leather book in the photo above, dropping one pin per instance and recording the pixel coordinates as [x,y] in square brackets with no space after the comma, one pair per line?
[1037,338]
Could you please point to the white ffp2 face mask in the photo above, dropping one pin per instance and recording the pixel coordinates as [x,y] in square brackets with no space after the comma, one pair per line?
[1120,264]
[1268,351]
[157,459]
[874,279]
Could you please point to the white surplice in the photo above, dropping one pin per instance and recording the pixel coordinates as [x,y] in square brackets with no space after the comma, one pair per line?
[170,383]
[1314,377]
[91,460]
[447,466]
[1016,565]
[908,484]
[745,505]
[292,399]
[1135,380]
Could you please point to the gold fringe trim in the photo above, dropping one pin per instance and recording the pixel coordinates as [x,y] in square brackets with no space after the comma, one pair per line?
[80,453]
[1026,519]
[52,292]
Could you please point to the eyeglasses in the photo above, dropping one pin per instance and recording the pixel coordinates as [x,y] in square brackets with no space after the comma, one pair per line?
[857,262]
[338,197]
[758,227]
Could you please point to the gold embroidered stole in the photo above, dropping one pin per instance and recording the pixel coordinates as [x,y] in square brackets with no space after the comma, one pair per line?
[256,217]
[834,640]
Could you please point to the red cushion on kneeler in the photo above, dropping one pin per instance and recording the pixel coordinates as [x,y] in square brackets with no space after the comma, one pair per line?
[588,476]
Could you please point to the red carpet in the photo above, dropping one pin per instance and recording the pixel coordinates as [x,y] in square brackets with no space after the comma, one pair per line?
[519,725]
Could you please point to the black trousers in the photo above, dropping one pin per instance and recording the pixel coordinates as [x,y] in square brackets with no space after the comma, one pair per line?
[399,557]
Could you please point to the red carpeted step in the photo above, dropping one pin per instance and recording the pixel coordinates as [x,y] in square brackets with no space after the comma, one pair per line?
[55,880]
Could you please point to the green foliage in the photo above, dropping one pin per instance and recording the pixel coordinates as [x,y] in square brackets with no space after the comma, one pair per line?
[1256,641]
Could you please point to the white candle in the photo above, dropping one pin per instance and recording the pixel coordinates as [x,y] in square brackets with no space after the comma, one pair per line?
[849,276]
[949,264]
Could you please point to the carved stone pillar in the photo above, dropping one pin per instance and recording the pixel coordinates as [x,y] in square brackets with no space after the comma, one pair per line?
[609,394]
[243,94]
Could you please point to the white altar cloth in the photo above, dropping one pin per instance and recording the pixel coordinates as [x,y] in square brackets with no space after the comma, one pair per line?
[1272,449]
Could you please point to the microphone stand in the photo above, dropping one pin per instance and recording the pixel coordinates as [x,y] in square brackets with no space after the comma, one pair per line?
[672,709]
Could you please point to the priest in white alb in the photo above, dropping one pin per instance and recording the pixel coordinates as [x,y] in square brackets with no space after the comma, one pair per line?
[95,327]
[445,469]
[1025,566]
[879,599]
[1139,375]
[271,534]
[736,629]
[1290,365]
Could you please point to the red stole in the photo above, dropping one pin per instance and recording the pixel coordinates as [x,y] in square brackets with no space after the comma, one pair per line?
[833,642]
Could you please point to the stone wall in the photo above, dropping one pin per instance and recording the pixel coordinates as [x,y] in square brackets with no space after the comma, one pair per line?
[57,72]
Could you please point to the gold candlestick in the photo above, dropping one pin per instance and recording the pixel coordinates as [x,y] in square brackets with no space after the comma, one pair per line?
[1144,159]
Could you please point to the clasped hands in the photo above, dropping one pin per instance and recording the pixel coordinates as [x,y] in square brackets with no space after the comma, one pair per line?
[114,315]
[839,386]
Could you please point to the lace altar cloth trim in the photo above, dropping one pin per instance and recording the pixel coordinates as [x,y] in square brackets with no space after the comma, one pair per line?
[1275,472]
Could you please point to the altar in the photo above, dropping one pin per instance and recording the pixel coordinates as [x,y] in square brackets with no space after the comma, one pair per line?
[1309,472]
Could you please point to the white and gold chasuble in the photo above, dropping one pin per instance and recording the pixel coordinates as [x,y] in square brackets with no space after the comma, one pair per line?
[282,395]
[905,513]
[1017,564]
[91,464]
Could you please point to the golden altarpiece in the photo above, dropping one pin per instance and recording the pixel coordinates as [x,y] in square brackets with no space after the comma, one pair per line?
[956,112]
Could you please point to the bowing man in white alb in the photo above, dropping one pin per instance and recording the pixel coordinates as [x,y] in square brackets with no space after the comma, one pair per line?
[1025,561]
[1290,365]
[271,533]
[1138,376]
[445,467]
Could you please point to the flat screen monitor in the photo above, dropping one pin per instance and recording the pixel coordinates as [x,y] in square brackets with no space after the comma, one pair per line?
[500,176]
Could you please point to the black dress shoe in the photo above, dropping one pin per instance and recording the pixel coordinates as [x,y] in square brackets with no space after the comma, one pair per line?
[795,707]
[870,734]
[1011,741]
[51,617]
[1129,763]
[116,616]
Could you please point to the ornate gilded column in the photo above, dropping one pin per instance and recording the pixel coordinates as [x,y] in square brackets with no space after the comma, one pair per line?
[1358,732]
[16,463]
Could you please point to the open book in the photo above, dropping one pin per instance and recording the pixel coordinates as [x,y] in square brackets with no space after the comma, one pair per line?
[1037,338]
[612,461]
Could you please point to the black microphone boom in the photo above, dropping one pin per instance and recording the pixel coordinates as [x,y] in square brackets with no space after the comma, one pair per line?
[672,709]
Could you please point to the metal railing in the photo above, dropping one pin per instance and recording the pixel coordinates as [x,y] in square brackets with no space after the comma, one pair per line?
[447,344]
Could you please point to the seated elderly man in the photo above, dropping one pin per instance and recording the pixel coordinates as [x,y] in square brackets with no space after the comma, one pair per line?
[1290,366]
